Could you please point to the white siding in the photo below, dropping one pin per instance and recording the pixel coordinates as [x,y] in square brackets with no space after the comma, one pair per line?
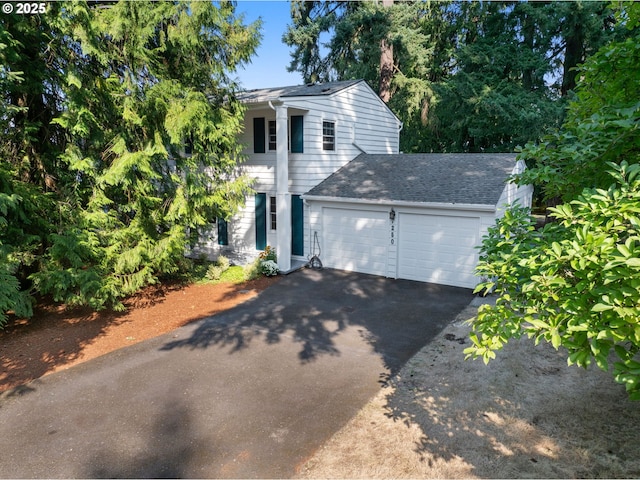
[362,122]
[512,193]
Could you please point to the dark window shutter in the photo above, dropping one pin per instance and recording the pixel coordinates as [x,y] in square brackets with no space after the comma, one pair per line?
[297,225]
[258,135]
[261,221]
[297,137]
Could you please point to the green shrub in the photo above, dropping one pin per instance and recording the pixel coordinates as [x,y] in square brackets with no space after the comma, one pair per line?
[214,272]
[252,270]
[223,262]
[268,254]
[574,284]
[269,268]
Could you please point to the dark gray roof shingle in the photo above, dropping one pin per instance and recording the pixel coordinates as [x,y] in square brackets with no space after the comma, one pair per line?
[316,89]
[475,179]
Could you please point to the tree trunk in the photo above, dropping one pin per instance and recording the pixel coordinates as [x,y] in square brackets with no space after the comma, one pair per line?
[386,63]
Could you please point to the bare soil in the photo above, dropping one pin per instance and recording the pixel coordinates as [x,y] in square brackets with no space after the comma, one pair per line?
[56,338]
[525,415]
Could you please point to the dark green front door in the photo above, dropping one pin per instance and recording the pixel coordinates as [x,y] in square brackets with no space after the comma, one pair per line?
[297,225]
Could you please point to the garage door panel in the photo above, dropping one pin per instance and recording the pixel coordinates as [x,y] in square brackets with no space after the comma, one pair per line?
[355,240]
[438,248]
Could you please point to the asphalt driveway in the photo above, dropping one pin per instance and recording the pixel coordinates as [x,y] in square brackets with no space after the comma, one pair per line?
[249,393]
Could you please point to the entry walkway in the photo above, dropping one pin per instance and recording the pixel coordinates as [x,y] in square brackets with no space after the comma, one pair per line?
[249,393]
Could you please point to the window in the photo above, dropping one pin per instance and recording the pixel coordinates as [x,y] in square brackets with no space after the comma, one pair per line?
[328,136]
[272,212]
[272,135]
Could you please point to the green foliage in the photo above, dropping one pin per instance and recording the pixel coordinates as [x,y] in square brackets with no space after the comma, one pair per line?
[223,262]
[215,271]
[268,254]
[602,123]
[269,268]
[97,103]
[467,76]
[252,270]
[234,274]
[575,283]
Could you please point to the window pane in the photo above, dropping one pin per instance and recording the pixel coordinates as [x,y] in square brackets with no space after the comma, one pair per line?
[328,135]
[272,135]
[272,209]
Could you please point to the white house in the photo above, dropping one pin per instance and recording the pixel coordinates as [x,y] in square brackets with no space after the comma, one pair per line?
[330,179]
[295,137]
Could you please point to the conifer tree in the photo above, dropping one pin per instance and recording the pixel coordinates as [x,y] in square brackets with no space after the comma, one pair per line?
[109,98]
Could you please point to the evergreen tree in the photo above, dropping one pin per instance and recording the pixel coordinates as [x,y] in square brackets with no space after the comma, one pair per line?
[576,282]
[100,101]
[467,76]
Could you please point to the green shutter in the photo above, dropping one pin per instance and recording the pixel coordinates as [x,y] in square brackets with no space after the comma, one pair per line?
[223,232]
[258,135]
[261,221]
[297,225]
[297,137]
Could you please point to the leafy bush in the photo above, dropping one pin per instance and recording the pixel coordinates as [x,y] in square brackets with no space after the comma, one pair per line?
[575,283]
[268,254]
[252,270]
[223,262]
[269,268]
[215,270]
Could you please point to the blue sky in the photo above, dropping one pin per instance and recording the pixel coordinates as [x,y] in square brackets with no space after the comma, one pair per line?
[269,66]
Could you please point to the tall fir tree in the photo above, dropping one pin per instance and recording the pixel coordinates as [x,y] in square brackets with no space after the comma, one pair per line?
[101,101]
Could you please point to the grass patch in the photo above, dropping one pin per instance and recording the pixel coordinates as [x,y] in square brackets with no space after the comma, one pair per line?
[233,274]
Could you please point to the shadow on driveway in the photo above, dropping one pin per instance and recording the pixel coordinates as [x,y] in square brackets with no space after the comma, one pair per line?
[249,393]
[395,317]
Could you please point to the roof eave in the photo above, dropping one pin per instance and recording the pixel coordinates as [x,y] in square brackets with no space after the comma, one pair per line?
[403,203]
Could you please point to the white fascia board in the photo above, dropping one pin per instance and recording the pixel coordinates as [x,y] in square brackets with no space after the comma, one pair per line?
[402,203]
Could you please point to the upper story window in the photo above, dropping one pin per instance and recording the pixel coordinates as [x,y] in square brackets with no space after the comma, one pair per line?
[263,137]
[328,136]
[272,135]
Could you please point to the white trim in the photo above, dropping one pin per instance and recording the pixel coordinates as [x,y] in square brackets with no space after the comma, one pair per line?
[401,203]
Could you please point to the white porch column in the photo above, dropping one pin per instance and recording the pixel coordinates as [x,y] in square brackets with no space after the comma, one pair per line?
[283,197]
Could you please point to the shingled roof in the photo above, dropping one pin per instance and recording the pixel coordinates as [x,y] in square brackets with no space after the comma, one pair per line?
[314,89]
[472,179]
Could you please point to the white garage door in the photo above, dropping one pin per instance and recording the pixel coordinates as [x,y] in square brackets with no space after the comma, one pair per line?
[355,240]
[438,249]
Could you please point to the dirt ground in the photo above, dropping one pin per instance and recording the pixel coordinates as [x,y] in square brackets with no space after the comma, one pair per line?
[56,338]
[525,415]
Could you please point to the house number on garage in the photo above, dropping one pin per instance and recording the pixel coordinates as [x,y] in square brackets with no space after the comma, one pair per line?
[393,226]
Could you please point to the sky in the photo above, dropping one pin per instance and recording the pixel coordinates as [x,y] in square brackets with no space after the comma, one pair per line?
[268,67]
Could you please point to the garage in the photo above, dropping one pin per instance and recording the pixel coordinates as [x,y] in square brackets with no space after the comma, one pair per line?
[355,240]
[438,248]
[412,216]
